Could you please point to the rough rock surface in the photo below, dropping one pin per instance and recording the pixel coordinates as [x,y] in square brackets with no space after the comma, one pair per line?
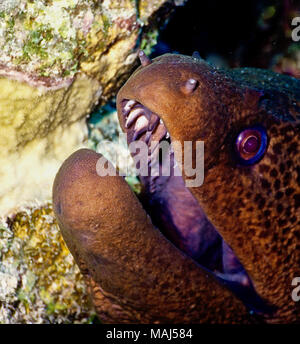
[39,280]
[58,59]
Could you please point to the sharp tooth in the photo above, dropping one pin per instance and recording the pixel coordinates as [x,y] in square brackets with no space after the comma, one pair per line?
[167,135]
[147,137]
[160,132]
[164,133]
[129,106]
[153,122]
[161,121]
[140,127]
[141,123]
[134,114]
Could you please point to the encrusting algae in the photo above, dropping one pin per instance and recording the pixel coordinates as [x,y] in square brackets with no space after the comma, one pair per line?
[50,37]
[39,280]
[59,59]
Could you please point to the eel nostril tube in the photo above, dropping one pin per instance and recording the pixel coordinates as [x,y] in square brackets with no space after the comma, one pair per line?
[190,86]
[145,60]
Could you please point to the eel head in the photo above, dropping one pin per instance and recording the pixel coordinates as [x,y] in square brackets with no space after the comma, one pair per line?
[223,247]
[243,221]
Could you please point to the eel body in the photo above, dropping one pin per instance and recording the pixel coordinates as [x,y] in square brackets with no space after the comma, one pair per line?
[225,251]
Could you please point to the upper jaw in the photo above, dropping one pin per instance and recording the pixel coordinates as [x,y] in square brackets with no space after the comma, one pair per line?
[188,117]
[154,87]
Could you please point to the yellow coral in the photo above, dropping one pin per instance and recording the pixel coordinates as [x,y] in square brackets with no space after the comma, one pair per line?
[43,281]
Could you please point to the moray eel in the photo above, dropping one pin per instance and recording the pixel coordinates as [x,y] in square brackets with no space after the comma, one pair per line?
[225,251]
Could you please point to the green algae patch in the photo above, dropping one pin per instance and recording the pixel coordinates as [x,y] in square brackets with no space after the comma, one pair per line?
[49,38]
[41,37]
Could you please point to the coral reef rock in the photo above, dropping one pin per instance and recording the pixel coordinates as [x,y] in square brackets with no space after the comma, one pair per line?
[58,60]
[39,280]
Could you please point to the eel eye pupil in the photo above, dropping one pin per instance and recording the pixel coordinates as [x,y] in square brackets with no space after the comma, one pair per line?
[251,145]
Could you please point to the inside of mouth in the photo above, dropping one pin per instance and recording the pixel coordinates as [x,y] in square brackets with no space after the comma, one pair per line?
[174,210]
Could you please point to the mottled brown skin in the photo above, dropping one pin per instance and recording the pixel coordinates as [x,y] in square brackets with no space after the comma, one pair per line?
[254,208]
[141,275]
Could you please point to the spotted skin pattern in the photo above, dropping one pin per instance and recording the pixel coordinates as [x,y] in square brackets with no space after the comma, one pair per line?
[256,208]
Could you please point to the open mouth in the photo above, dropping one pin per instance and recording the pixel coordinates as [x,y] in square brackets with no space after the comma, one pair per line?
[175,211]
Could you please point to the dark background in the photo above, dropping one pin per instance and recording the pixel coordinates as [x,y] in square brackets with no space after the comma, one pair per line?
[231,33]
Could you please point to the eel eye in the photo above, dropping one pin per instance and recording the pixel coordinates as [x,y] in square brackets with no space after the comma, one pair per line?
[251,145]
